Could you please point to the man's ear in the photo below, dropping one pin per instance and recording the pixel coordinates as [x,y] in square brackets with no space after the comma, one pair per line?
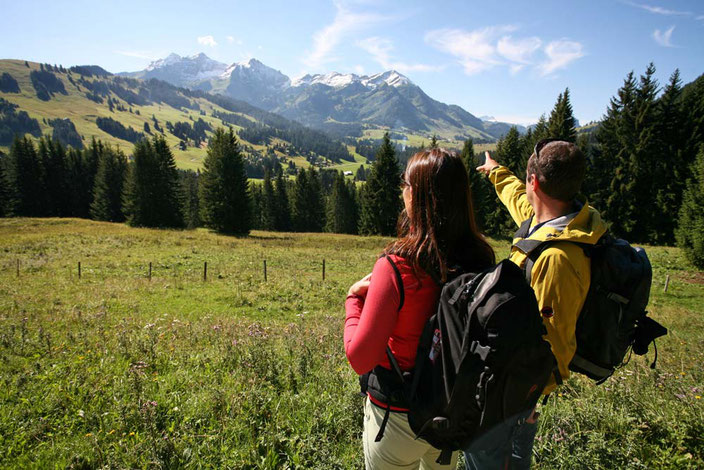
[532,180]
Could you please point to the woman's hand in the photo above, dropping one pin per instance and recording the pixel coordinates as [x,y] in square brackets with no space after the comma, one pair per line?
[360,287]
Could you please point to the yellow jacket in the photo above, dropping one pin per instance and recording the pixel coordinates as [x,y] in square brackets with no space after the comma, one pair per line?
[561,274]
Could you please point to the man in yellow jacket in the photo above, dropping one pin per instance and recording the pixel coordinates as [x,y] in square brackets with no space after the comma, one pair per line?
[547,207]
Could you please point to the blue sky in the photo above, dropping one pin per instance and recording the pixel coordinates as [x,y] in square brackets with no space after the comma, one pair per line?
[507,59]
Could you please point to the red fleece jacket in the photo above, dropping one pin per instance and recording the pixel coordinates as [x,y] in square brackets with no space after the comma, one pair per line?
[375,321]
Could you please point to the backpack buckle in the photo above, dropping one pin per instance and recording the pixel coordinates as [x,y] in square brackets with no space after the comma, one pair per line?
[441,423]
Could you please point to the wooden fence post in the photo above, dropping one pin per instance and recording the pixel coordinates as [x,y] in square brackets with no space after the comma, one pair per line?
[150,271]
[79,270]
[667,283]
[205,271]
[264,270]
[18,267]
[323,269]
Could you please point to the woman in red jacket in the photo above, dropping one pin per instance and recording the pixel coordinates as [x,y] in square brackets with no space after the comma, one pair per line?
[437,234]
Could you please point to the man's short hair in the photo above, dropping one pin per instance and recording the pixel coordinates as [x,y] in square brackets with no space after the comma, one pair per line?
[560,167]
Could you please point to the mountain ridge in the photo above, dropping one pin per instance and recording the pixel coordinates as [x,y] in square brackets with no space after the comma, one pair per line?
[385,99]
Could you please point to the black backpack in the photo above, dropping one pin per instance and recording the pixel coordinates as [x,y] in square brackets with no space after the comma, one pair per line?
[481,360]
[613,318]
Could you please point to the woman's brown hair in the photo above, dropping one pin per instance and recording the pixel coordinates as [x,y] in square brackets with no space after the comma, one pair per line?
[440,233]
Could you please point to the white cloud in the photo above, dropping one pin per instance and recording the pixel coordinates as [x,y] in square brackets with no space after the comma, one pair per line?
[207,41]
[474,50]
[664,38]
[559,55]
[359,70]
[483,49]
[234,40]
[659,10]
[138,54]
[519,50]
[345,23]
[380,50]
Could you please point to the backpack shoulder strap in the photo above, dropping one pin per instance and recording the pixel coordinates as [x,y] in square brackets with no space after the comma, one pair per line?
[399,280]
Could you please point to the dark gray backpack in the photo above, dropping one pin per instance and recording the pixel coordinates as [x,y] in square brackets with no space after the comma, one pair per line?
[481,360]
[613,318]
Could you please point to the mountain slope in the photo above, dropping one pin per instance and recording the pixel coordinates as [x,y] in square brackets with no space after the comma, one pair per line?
[86,102]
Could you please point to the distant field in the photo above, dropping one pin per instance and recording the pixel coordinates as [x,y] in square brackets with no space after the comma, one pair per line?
[118,371]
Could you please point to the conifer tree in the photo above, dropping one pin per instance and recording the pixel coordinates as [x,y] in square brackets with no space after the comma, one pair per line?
[690,231]
[646,183]
[309,210]
[191,202]
[283,211]
[269,206]
[225,198]
[300,222]
[316,203]
[614,160]
[5,192]
[562,124]
[26,179]
[510,153]
[670,160]
[381,201]
[53,157]
[139,191]
[341,208]
[483,194]
[434,142]
[255,205]
[169,198]
[109,186]
[360,175]
[153,195]
[540,131]
[468,154]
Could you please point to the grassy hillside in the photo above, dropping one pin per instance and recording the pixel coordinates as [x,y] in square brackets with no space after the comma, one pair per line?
[83,112]
[116,370]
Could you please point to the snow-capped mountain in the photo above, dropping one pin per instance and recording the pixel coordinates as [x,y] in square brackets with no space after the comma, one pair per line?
[333,99]
[182,71]
[252,69]
[339,80]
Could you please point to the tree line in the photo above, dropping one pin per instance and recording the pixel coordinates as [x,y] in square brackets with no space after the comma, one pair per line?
[48,179]
[646,177]
[644,158]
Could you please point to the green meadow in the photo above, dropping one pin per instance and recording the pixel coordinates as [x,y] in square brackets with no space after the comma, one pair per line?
[119,370]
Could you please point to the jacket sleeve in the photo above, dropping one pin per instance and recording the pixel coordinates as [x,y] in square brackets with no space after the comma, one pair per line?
[560,299]
[370,321]
[512,192]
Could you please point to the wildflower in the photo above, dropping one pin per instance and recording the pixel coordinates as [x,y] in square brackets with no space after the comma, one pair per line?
[131,433]
[698,397]
[111,432]
[81,413]
[89,434]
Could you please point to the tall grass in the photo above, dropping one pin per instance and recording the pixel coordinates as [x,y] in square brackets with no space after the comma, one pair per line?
[113,370]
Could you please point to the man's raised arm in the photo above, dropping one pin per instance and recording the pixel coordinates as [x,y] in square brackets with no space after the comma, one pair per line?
[509,188]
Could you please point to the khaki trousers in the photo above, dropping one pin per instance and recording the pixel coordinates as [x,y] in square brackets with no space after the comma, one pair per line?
[398,449]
